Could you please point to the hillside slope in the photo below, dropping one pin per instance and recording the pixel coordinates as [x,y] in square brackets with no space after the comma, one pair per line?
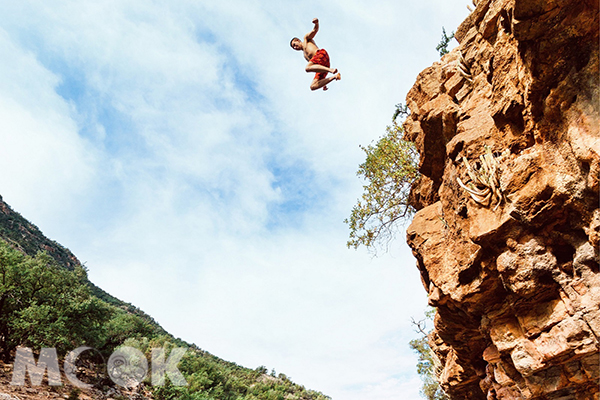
[26,237]
[48,296]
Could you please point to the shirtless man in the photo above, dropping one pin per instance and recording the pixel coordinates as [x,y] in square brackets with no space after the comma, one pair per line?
[318,59]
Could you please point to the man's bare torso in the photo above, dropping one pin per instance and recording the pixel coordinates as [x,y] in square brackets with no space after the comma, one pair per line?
[310,48]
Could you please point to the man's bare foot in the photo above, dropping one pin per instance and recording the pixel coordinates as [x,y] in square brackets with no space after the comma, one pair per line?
[338,76]
[334,71]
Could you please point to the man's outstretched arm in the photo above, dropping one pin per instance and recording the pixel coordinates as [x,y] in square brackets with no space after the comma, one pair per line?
[310,35]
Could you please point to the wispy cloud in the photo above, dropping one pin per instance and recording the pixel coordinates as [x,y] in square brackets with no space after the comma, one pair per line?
[176,148]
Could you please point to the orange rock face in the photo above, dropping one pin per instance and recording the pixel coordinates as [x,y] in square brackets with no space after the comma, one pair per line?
[508,227]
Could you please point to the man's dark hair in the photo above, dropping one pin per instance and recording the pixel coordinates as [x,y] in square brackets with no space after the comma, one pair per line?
[292,41]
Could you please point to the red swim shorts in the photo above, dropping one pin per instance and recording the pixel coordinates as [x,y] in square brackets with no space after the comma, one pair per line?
[322,58]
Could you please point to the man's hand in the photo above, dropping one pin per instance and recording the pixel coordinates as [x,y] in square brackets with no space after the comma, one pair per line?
[314,31]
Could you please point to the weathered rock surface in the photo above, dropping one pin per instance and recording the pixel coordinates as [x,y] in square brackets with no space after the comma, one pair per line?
[509,256]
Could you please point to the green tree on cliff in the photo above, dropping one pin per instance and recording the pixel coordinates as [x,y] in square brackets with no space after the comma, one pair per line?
[426,365]
[442,46]
[389,169]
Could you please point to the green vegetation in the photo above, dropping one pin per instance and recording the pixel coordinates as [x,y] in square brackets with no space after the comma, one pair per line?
[442,46]
[426,366]
[46,300]
[26,237]
[210,378]
[390,169]
[402,110]
[45,305]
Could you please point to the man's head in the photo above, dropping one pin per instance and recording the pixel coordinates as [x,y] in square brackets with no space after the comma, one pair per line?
[296,44]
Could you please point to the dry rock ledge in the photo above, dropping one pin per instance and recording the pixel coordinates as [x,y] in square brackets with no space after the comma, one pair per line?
[507,233]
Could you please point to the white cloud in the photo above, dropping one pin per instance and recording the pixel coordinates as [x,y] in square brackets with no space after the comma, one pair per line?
[46,164]
[181,155]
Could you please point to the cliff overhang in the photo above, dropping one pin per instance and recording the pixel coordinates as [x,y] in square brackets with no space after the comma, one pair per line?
[507,233]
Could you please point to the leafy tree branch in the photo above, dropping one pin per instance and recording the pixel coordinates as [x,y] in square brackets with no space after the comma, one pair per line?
[427,365]
[442,47]
[390,169]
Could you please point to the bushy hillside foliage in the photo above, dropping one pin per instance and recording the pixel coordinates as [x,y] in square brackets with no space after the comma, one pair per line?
[45,305]
[26,237]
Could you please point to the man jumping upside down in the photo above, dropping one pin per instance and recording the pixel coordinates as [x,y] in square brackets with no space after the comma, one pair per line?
[318,59]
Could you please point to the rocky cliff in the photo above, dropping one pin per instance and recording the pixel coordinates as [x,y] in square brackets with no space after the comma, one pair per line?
[508,227]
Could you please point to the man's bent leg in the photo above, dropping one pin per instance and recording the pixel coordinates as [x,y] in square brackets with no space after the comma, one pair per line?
[319,83]
[317,68]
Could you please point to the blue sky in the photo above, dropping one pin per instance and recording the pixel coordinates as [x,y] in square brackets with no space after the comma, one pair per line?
[176,149]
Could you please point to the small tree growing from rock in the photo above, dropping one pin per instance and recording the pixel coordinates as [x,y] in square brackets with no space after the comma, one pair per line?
[427,366]
[390,169]
[442,46]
